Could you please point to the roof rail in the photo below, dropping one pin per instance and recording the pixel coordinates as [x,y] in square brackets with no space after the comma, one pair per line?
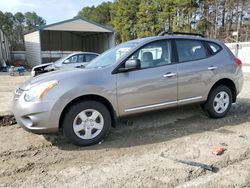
[180,33]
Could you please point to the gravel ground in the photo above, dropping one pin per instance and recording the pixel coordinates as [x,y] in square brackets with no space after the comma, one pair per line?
[142,154]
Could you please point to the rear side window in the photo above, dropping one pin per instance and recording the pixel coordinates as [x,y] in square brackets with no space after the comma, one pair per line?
[214,47]
[81,58]
[190,50]
[89,57]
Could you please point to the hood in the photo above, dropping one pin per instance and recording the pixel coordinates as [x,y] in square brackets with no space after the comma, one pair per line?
[42,65]
[55,75]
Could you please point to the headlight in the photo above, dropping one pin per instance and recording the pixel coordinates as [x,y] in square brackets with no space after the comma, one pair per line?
[37,92]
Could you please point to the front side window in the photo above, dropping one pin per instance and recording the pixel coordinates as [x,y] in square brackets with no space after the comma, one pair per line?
[190,50]
[73,59]
[154,54]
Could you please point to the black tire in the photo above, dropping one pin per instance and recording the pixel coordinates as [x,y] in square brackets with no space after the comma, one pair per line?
[73,111]
[208,107]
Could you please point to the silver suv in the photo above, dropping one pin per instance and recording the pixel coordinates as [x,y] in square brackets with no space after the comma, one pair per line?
[134,77]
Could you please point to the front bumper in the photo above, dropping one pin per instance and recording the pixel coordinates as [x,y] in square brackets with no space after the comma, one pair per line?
[37,117]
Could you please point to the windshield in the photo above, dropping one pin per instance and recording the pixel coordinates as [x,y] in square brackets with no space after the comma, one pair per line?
[111,56]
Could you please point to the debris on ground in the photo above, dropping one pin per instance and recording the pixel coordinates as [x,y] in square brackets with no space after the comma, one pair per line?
[14,71]
[197,164]
[129,122]
[242,136]
[218,151]
[7,120]
[224,144]
[34,154]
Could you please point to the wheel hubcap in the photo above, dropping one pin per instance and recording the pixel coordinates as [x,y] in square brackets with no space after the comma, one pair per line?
[88,124]
[221,102]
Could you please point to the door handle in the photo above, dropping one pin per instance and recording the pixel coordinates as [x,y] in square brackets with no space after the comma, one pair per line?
[212,68]
[168,75]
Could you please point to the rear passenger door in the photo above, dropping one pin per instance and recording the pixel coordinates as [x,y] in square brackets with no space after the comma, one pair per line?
[195,70]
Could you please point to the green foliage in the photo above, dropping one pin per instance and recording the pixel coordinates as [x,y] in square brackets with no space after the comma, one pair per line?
[6,22]
[141,18]
[19,18]
[32,20]
[124,19]
[100,14]
[148,23]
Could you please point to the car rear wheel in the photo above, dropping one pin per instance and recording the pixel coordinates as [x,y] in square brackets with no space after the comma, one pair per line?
[219,102]
[86,123]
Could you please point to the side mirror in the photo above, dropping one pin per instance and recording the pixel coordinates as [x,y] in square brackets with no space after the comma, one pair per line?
[131,64]
[66,61]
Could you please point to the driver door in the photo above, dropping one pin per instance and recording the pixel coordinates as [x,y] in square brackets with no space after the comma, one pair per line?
[154,85]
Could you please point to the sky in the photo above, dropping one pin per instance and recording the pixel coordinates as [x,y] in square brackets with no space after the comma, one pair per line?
[51,10]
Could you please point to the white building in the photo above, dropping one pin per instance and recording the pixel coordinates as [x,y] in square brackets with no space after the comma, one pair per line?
[50,42]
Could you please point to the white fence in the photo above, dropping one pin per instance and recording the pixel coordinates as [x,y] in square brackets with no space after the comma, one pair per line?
[241,50]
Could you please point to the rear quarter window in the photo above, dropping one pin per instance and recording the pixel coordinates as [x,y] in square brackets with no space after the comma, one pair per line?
[215,48]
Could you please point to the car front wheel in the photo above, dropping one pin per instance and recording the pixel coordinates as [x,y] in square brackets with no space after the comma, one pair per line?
[86,123]
[219,102]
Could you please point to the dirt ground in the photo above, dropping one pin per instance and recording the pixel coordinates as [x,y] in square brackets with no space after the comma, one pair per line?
[143,154]
[8,84]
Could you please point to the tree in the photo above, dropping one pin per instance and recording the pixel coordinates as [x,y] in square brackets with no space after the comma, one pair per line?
[140,18]
[19,18]
[15,25]
[32,20]
[124,19]
[100,14]
[167,11]
[18,29]
[147,19]
[6,22]
[88,12]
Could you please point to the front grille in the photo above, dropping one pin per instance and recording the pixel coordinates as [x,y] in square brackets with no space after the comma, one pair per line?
[18,93]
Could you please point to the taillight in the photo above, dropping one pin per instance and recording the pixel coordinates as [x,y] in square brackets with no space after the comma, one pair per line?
[238,62]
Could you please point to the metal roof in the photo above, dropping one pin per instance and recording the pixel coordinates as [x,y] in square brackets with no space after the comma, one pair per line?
[78,24]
